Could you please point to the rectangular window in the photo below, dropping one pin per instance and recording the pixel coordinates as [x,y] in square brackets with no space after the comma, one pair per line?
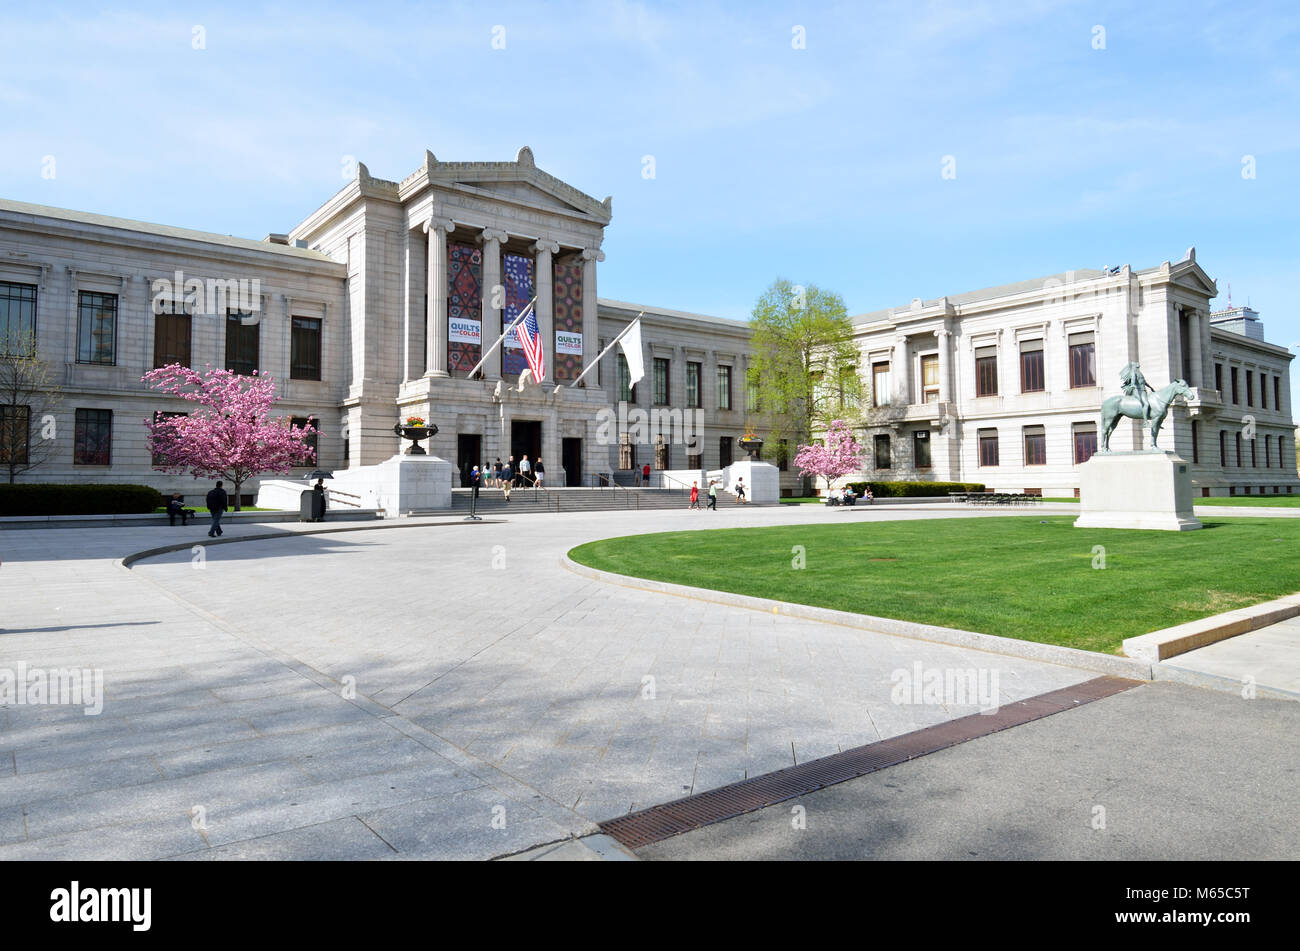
[695,461]
[1237,439]
[724,387]
[305,349]
[1232,372]
[1263,390]
[1223,449]
[751,396]
[724,451]
[986,371]
[1254,459]
[882,452]
[303,422]
[1196,441]
[93,437]
[1035,446]
[171,334]
[1032,378]
[1085,443]
[880,384]
[783,455]
[1250,387]
[930,378]
[693,397]
[17,317]
[15,435]
[1218,378]
[1083,360]
[1277,393]
[921,448]
[626,391]
[661,381]
[988,447]
[1268,451]
[96,328]
[243,340]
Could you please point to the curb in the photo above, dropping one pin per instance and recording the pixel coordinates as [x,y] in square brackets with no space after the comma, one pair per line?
[1219,682]
[1160,645]
[126,561]
[989,643]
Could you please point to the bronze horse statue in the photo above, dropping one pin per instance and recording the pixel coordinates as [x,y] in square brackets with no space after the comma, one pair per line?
[1113,407]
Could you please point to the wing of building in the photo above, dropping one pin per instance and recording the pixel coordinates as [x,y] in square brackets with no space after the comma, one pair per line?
[380,304]
[1004,385]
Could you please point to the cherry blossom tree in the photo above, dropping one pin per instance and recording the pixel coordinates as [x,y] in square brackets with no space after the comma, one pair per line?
[231,435]
[841,454]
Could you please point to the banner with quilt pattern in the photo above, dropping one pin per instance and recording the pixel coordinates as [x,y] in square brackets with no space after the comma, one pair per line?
[464,307]
[518,269]
[568,317]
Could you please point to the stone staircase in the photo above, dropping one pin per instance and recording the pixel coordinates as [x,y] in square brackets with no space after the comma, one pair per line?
[609,499]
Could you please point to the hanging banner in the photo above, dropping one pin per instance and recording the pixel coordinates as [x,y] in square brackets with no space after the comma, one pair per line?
[567,298]
[567,344]
[518,270]
[464,307]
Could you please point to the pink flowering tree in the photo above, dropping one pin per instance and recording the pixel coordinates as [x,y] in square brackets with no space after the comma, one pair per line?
[230,434]
[840,455]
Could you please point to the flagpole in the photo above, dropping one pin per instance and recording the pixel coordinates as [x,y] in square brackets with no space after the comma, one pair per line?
[621,334]
[491,350]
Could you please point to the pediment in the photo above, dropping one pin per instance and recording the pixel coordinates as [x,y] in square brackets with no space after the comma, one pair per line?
[524,192]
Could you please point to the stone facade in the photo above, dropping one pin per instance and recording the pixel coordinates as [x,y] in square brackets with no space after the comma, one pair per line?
[361,268]
[1004,386]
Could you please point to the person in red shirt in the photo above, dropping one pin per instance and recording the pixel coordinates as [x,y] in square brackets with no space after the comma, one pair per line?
[645,475]
[695,497]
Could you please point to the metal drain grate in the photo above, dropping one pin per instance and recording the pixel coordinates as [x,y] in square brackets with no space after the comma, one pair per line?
[673,818]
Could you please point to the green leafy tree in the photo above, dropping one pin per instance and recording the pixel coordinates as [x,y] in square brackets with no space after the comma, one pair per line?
[803,368]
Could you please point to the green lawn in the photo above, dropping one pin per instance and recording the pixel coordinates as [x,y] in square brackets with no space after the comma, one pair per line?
[1281,501]
[801,500]
[1021,577]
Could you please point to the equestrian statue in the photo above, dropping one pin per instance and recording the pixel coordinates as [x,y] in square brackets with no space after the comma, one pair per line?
[1136,404]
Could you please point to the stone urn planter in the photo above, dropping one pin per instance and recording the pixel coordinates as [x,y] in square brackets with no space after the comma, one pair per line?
[752,445]
[415,434]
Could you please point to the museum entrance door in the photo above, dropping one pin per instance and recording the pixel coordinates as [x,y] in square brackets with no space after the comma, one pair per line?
[525,440]
[467,455]
[572,452]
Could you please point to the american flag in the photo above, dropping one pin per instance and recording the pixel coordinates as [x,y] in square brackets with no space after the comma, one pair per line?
[530,340]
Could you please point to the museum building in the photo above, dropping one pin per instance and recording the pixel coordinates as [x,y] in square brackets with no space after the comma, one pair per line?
[380,304]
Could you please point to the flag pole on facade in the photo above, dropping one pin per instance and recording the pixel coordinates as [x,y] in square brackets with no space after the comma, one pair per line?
[639,371]
[492,349]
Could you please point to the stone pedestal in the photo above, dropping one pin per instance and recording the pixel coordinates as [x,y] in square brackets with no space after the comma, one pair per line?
[762,481]
[1151,489]
[401,484]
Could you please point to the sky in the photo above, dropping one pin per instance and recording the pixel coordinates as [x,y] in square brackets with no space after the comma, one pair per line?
[884,151]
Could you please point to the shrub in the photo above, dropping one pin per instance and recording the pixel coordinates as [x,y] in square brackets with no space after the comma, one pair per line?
[42,499]
[900,489]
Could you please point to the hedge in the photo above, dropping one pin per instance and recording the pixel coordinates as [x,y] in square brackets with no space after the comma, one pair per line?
[898,489]
[42,499]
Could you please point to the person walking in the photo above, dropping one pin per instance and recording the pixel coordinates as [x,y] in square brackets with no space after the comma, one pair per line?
[496,472]
[645,475]
[539,473]
[507,478]
[475,480]
[511,471]
[695,497]
[525,471]
[740,492]
[713,494]
[218,502]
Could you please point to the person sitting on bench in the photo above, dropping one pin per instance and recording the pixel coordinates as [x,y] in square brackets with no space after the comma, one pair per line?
[175,507]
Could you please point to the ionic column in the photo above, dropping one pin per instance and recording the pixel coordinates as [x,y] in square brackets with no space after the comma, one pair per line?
[945,363]
[900,370]
[590,320]
[1194,347]
[436,356]
[545,306]
[491,241]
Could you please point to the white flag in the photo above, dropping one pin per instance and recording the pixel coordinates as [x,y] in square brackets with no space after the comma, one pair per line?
[631,344]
